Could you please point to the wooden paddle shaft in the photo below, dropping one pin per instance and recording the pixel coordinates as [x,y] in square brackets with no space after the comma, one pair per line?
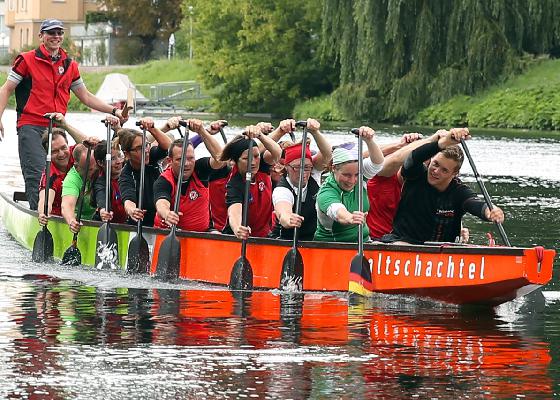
[360,192]
[300,182]
[484,191]
[180,174]
[248,179]
[48,169]
[108,159]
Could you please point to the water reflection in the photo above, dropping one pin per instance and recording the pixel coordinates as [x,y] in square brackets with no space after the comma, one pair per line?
[65,340]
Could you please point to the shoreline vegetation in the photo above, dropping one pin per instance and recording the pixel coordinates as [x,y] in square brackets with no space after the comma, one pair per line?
[526,102]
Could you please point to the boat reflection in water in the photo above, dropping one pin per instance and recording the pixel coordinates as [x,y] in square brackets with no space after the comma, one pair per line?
[73,340]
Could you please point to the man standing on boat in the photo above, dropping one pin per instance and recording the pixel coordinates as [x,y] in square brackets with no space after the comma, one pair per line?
[42,80]
[433,199]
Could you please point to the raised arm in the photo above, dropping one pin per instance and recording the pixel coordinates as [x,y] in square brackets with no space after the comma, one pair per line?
[273,152]
[164,141]
[92,101]
[213,146]
[325,149]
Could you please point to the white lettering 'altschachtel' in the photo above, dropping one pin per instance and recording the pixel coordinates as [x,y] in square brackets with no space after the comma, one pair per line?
[451,268]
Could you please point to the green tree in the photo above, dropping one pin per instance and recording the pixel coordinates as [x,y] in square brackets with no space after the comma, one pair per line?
[258,55]
[397,57]
[146,21]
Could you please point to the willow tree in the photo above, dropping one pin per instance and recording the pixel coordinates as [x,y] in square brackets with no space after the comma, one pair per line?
[398,56]
[258,55]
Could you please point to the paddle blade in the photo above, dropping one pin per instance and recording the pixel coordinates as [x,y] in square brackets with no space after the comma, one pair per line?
[291,279]
[107,251]
[169,259]
[72,256]
[43,247]
[241,277]
[138,256]
[359,281]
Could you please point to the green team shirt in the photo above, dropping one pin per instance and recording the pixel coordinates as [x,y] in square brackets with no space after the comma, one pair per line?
[327,228]
[71,186]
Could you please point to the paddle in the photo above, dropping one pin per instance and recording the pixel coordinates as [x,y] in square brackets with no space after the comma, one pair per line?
[241,277]
[169,257]
[107,251]
[291,277]
[222,126]
[43,245]
[484,192]
[72,255]
[359,267]
[138,251]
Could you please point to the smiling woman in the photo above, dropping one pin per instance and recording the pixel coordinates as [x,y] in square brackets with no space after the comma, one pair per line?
[337,201]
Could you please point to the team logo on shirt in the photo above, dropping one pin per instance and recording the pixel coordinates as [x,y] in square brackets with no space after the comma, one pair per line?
[60,69]
[193,195]
[261,186]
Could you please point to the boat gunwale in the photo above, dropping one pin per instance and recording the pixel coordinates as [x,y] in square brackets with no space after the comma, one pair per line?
[444,248]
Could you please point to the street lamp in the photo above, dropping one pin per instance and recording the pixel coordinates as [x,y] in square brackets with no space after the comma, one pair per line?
[190,21]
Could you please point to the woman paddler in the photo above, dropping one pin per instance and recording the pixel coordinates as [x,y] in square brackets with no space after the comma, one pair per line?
[260,195]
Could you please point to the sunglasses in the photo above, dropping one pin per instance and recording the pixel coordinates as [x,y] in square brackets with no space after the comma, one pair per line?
[54,32]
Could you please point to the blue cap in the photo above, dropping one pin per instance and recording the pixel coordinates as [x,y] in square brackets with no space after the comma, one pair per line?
[49,24]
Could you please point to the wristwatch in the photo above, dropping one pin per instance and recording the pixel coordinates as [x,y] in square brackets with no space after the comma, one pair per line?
[114,112]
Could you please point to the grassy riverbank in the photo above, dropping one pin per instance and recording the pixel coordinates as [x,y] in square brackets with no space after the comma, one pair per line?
[528,101]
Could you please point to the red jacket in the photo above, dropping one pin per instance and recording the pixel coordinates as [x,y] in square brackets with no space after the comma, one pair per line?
[45,86]
[194,205]
[55,182]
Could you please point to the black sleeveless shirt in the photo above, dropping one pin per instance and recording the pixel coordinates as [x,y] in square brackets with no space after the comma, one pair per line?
[307,211]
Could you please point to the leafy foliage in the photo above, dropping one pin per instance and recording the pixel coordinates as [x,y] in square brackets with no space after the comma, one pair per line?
[259,55]
[531,100]
[144,22]
[397,57]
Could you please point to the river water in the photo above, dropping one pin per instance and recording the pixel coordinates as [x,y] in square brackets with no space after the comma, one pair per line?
[102,335]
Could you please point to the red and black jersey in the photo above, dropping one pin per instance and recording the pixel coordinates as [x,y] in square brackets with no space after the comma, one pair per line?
[194,203]
[44,86]
[260,199]
[384,194]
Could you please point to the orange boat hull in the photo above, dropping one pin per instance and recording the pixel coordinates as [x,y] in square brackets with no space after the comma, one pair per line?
[453,274]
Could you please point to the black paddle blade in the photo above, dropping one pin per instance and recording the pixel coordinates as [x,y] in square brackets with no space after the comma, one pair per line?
[241,277]
[291,279]
[72,256]
[138,256]
[107,251]
[169,259]
[359,281]
[43,247]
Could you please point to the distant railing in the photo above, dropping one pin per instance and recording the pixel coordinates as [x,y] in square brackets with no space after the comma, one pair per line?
[171,93]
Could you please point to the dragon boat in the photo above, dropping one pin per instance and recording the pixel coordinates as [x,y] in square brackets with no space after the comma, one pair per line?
[467,274]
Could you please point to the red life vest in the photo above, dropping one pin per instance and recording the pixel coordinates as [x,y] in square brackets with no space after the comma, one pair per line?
[55,182]
[260,205]
[194,205]
[384,194]
[45,86]
[218,207]
[117,205]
